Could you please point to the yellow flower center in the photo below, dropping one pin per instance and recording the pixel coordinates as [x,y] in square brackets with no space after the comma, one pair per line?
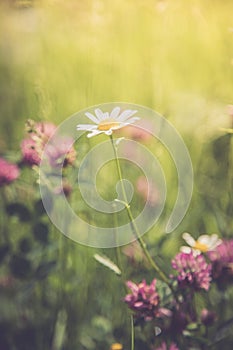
[108,124]
[201,246]
[116,346]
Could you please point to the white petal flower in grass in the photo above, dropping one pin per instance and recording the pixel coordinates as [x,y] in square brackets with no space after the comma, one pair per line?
[203,244]
[106,123]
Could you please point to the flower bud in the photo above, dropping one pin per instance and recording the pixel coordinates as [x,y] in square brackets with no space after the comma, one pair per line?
[208,317]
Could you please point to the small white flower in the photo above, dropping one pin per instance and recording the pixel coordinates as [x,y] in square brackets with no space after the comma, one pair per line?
[203,244]
[106,123]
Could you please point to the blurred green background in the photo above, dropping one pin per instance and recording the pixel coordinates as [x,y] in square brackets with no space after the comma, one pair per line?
[58,57]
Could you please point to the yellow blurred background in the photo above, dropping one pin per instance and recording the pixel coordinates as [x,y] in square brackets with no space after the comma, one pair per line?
[58,57]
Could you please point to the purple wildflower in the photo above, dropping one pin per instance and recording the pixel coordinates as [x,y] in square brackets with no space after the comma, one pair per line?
[193,271]
[32,146]
[30,153]
[8,172]
[222,263]
[144,301]
[59,149]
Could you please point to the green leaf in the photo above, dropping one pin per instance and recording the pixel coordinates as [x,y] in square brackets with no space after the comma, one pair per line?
[107,263]
[192,326]
[60,330]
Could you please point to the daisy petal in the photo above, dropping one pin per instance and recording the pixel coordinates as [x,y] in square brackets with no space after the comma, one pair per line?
[109,132]
[185,249]
[189,239]
[196,252]
[92,117]
[214,237]
[214,241]
[94,133]
[100,115]
[105,115]
[204,239]
[125,115]
[131,120]
[219,241]
[115,112]
[86,127]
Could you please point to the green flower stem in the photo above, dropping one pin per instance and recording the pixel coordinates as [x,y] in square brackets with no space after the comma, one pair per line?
[162,275]
[132,334]
[118,252]
[118,255]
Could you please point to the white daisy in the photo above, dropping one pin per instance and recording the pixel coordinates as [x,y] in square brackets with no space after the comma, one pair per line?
[106,123]
[203,244]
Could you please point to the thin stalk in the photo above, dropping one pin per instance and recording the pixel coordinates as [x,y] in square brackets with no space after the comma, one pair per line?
[118,252]
[132,222]
[132,334]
